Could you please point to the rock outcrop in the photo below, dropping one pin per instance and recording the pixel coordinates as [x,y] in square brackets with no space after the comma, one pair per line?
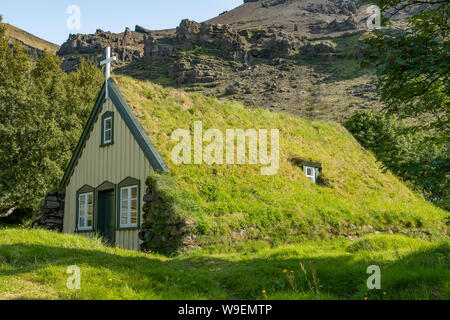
[227,43]
[335,26]
[320,47]
[140,29]
[342,7]
[127,47]
[190,34]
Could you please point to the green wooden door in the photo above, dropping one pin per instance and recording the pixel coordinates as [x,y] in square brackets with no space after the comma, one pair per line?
[106,217]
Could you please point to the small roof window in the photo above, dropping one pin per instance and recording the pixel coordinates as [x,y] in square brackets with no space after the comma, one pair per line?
[311,169]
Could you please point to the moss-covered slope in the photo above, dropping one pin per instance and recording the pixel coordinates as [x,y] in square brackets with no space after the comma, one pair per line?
[236,202]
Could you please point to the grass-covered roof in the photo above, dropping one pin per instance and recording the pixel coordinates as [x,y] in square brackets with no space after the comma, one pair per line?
[236,202]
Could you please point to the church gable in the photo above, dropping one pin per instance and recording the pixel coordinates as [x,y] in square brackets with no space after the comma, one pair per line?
[105,119]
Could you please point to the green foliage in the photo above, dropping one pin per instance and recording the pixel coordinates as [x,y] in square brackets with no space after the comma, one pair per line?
[413,64]
[33,265]
[408,153]
[42,111]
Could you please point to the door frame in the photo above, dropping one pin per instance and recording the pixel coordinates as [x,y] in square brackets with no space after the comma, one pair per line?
[106,186]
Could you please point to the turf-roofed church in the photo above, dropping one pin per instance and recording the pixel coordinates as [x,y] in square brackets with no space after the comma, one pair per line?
[105,179]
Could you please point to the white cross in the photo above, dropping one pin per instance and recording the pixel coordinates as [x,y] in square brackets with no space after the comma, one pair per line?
[107,62]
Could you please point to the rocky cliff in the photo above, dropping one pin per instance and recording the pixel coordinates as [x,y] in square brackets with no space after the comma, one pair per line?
[127,46]
[298,56]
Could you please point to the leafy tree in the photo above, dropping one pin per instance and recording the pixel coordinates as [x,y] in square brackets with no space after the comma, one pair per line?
[42,113]
[413,63]
[14,86]
[406,153]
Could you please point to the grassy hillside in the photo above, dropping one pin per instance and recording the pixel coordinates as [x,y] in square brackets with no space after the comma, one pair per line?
[33,264]
[237,203]
[30,40]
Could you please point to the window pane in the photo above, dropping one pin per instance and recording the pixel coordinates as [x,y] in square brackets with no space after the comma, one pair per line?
[134,193]
[124,206]
[133,205]
[133,219]
[123,216]
[107,135]
[86,210]
[124,194]
[108,123]
[81,209]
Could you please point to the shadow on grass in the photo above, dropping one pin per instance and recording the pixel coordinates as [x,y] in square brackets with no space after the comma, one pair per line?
[420,275]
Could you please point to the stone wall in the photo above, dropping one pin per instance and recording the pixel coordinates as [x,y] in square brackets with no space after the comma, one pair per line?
[164,230]
[50,215]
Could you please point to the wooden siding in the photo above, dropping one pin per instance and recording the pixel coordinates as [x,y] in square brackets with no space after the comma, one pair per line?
[111,163]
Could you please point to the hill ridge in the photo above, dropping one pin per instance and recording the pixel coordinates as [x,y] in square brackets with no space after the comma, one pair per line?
[34,44]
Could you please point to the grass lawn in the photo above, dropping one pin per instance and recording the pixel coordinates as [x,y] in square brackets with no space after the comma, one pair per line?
[33,265]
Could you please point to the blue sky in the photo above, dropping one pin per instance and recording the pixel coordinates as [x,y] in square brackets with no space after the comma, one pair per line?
[47,19]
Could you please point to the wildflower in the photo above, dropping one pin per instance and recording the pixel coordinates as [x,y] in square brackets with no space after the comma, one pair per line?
[384,292]
[365,298]
[109,279]
[284,271]
[264,292]
[292,271]
[193,282]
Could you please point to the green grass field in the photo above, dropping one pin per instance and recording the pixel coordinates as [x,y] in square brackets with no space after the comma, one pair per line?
[33,265]
[258,237]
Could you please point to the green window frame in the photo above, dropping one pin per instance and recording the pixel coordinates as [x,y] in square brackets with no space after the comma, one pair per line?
[86,207]
[128,204]
[107,134]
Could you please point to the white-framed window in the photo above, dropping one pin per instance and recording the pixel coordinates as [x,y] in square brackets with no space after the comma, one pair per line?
[85,211]
[129,207]
[311,173]
[107,130]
